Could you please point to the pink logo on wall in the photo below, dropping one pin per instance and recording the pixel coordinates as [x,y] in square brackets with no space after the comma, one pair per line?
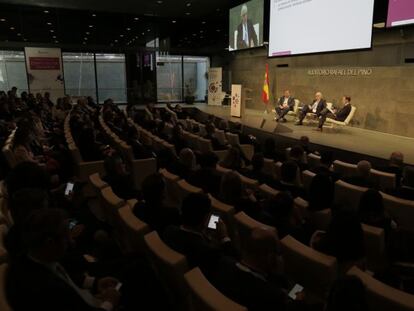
[400,12]
[44,63]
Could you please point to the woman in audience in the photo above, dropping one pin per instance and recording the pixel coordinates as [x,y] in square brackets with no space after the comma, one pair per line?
[186,164]
[210,129]
[177,138]
[343,240]
[21,147]
[207,177]
[321,193]
[89,147]
[371,210]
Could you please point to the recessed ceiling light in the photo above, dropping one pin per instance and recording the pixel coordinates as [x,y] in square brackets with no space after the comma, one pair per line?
[24,39]
[86,39]
[188,4]
[46,11]
[11,28]
[93,15]
[56,41]
[54,37]
[187,13]
[51,30]
[128,29]
[218,30]
[174,22]
[143,33]
[49,23]
[194,34]
[115,40]
[148,30]
[90,26]
[159,1]
[136,37]
[87,32]
[2,19]
[121,36]
[19,34]
[84,43]
[136,18]
[201,31]
[203,22]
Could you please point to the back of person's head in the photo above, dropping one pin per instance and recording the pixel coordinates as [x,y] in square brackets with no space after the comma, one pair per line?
[262,249]
[280,206]
[187,158]
[327,158]
[27,175]
[289,171]
[321,192]
[223,125]
[195,209]
[153,188]
[231,187]
[408,176]
[345,236]
[347,293]
[177,130]
[257,161]
[371,203]
[232,160]
[304,140]
[208,160]
[397,159]
[22,136]
[210,128]
[26,200]
[296,153]
[114,165]
[45,234]
[364,168]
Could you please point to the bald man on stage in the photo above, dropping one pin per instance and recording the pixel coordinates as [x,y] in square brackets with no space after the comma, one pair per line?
[317,106]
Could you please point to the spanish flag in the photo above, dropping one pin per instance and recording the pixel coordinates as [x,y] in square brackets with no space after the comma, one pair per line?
[265,92]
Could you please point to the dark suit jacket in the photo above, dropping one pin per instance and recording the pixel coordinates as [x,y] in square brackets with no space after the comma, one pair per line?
[31,286]
[291,102]
[158,217]
[321,106]
[343,113]
[252,35]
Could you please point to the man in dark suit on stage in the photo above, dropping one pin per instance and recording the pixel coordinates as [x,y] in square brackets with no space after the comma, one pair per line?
[317,106]
[246,35]
[284,105]
[338,115]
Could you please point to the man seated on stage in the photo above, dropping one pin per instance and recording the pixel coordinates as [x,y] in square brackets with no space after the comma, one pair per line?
[284,105]
[316,107]
[338,115]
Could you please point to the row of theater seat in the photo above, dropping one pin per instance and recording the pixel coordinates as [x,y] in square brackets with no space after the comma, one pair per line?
[314,270]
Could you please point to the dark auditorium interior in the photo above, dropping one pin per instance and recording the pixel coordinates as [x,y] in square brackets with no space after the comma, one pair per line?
[202,155]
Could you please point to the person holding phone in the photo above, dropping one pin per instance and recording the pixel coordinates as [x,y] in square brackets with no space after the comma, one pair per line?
[256,280]
[203,246]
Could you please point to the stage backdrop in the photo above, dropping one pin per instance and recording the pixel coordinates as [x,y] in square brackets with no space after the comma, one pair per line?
[44,71]
[384,96]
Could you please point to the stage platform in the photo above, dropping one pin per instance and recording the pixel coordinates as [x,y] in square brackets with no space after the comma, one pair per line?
[349,139]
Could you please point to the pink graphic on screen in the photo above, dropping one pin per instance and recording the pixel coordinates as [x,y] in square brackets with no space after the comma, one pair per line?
[400,12]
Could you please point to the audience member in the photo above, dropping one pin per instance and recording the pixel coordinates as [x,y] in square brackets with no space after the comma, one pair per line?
[406,189]
[270,152]
[153,210]
[395,166]
[289,172]
[321,193]
[257,170]
[186,164]
[298,155]
[363,176]
[232,160]
[207,177]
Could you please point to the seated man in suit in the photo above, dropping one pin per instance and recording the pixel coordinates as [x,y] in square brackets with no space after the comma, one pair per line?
[257,281]
[338,115]
[36,279]
[317,106]
[246,35]
[284,105]
[406,190]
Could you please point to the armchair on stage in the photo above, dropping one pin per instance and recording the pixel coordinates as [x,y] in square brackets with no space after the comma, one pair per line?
[329,123]
[295,110]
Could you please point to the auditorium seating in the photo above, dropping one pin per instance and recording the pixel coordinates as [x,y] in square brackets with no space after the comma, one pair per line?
[248,183]
[221,137]
[171,187]
[4,306]
[110,203]
[320,220]
[269,167]
[131,231]
[311,269]
[205,297]
[307,177]
[267,191]
[313,160]
[184,189]
[381,297]
[245,224]
[374,239]
[170,267]
[402,211]
[345,169]
[347,195]
[385,180]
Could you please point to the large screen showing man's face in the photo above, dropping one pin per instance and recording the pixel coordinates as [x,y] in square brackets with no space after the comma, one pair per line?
[246,25]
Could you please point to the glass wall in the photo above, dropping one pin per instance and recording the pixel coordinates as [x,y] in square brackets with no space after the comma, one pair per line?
[13,71]
[79,72]
[195,76]
[181,76]
[111,77]
[169,78]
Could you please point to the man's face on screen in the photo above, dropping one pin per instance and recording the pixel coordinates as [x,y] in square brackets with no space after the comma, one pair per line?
[244,18]
[318,96]
[287,93]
